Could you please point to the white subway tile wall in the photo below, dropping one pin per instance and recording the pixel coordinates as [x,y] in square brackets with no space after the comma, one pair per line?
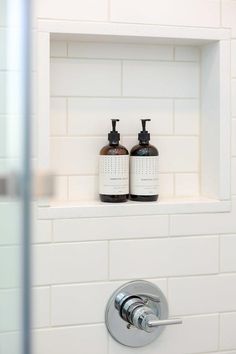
[80,261]
[93,82]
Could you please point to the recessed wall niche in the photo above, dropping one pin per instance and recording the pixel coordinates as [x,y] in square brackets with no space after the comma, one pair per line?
[180,84]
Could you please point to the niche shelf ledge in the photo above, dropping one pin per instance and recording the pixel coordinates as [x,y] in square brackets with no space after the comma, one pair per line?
[98,209]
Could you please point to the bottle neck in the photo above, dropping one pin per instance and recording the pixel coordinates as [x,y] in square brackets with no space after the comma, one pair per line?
[144,142]
[114,143]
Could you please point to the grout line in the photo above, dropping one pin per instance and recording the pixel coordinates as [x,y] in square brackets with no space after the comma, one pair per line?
[219,331]
[108,10]
[200,127]
[127,97]
[102,323]
[67,188]
[121,58]
[135,239]
[125,136]
[52,232]
[40,19]
[173,116]
[168,231]
[221,12]
[174,179]
[67,116]
[129,239]
[96,175]
[50,305]
[219,254]
[174,59]
[119,280]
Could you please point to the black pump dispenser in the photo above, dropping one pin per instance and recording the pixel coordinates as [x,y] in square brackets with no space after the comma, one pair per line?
[144,135]
[114,136]
[144,168]
[114,169]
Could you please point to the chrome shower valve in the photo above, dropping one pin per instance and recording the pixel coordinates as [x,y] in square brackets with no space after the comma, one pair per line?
[137,313]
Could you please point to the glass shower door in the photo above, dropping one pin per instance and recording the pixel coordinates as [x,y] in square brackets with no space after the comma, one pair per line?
[15,177]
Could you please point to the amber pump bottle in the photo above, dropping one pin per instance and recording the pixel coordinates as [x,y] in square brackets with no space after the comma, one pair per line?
[114,169]
[144,168]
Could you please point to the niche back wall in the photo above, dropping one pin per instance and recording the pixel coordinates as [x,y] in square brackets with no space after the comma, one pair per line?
[94,82]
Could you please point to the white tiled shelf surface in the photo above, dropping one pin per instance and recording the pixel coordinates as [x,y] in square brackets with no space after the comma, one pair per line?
[94,82]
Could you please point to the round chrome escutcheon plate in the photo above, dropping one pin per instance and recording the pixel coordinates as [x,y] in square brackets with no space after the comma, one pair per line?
[122,331]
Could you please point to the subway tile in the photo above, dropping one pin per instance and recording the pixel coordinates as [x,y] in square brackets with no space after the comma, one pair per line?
[10,104]
[61,188]
[228,15]
[160,79]
[10,305]
[3,16]
[11,142]
[233,137]
[42,231]
[119,51]
[83,188]
[176,154]
[77,155]
[186,184]
[205,294]
[186,117]
[84,339]
[78,10]
[40,307]
[10,341]
[180,154]
[91,116]
[70,263]
[70,303]
[203,13]
[180,339]
[233,56]
[227,253]
[10,46]
[85,77]
[110,228]
[187,53]
[58,116]
[58,48]
[163,257]
[9,266]
[227,331]
[197,224]
[166,182]
[9,231]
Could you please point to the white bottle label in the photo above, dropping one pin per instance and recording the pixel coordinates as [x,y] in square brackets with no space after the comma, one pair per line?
[144,175]
[114,174]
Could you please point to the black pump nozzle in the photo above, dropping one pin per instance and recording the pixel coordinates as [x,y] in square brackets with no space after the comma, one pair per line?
[113,122]
[114,136]
[144,136]
[144,123]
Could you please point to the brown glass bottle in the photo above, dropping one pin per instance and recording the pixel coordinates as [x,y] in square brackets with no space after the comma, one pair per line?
[143,150]
[114,169]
